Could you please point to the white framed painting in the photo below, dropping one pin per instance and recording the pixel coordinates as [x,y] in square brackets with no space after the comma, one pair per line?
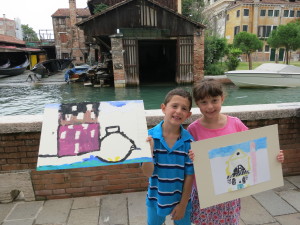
[237,165]
[88,134]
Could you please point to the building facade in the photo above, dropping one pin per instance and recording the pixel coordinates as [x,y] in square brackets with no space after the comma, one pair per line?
[148,42]
[69,40]
[261,18]
[7,26]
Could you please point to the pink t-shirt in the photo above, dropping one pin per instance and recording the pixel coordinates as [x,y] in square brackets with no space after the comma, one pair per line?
[200,132]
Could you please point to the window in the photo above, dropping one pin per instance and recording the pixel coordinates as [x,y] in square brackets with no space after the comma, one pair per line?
[276,13]
[62,21]
[236,30]
[227,17]
[298,14]
[63,37]
[265,31]
[286,13]
[238,13]
[270,12]
[246,12]
[267,48]
[262,12]
[292,13]
[245,28]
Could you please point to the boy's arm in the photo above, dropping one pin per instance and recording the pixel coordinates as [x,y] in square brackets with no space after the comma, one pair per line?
[148,167]
[179,210]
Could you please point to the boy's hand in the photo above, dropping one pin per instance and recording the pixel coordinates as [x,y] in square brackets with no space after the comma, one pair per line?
[280,156]
[178,212]
[191,155]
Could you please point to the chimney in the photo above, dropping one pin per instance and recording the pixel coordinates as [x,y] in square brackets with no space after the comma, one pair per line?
[179,6]
[73,13]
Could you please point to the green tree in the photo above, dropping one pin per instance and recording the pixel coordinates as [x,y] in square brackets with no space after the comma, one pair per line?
[28,33]
[232,60]
[287,36]
[214,50]
[100,7]
[247,43]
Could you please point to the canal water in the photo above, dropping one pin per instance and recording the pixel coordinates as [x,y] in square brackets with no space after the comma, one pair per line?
[30,98]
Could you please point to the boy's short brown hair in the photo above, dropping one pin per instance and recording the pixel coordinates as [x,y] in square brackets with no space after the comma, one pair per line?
[180,92]
[207,87]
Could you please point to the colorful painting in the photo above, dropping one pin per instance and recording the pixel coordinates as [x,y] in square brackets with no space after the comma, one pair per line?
[89,134]
[239,166]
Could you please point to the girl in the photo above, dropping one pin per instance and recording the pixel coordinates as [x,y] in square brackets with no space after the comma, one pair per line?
[208,95]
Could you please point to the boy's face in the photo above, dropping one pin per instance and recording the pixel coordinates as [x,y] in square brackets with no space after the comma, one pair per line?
[177,110]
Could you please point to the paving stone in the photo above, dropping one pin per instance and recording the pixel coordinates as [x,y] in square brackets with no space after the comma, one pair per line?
[292,219]
[253,213]
[113,210]
[294,180]
[4,210]
[55,212]
[287,186]
[25,210]
[137,208]
[86,202]
[275,205]
[88,216]
[241,222]
[19,222]
[292,197]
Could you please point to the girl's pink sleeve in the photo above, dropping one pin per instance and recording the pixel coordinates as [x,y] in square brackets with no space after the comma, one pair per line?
[240,125]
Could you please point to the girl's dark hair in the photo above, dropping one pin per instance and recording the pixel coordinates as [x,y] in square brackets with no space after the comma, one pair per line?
[207,87]
[180,92]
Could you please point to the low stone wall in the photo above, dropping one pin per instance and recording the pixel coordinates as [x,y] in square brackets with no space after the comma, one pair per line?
[19,144]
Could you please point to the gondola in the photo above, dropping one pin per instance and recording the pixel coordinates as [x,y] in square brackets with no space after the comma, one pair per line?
[13,71]
[51,66]
[5,65]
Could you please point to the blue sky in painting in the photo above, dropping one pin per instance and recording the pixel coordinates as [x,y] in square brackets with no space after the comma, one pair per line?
[261,143]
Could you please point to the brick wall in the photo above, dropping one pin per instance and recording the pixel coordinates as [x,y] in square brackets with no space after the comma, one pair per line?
[19,151]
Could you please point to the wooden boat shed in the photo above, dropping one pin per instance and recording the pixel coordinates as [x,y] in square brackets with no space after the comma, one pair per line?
[148,42]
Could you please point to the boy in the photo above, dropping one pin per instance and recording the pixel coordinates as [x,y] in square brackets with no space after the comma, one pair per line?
[171,173]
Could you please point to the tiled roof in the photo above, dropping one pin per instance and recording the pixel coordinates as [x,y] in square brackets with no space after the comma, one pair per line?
[1,18]
[66,13]
[264,2]
[11,39]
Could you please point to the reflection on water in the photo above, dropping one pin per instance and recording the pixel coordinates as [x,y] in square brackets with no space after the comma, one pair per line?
[31,99]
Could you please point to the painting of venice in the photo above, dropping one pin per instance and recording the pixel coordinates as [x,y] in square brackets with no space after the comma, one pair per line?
[239,166]
[88,134]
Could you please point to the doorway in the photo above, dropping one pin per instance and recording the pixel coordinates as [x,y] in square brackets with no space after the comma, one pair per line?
[157,61]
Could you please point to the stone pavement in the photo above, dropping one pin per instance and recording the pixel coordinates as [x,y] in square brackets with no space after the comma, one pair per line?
[280,206]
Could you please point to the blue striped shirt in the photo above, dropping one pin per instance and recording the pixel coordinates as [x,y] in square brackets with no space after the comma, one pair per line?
[170,167]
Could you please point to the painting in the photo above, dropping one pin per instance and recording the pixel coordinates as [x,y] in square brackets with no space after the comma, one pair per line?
[237,165]
[87,134]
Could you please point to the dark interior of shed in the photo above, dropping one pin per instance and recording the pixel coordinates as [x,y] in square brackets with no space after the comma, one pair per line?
[157,61]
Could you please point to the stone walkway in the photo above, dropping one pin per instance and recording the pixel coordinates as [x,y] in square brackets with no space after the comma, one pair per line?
[280,206]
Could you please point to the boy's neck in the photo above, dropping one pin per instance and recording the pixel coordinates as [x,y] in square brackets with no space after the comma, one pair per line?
[170,134]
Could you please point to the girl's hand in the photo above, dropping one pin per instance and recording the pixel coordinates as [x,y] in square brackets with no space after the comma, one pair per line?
[191,155]
[280,156]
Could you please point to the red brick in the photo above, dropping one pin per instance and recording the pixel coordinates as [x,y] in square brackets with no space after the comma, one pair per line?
[76,190]
[15,167]
[43,192]
[28,160]
[11,149]
[59,191]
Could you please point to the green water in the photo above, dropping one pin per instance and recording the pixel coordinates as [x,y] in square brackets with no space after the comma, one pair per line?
[31,99]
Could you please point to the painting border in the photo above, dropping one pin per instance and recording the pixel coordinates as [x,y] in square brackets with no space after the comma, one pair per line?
[204,180]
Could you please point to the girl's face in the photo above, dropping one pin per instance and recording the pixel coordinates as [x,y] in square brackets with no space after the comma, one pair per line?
[210,107]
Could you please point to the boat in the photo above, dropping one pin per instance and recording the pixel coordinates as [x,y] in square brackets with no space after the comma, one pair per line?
[5,65]
[267,75]
[15,70]
[77,73]
[51,66]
